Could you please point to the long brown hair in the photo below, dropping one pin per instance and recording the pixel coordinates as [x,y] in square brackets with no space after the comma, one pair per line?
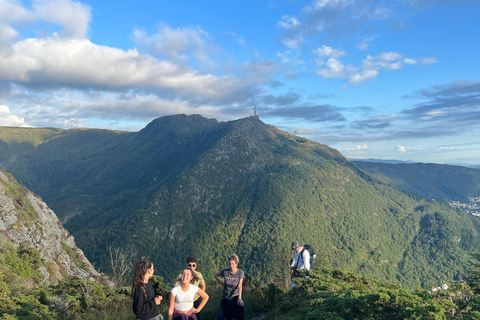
[139,272]
[194,275]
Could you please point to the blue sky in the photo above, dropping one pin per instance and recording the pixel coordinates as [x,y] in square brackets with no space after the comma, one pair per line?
[395,79]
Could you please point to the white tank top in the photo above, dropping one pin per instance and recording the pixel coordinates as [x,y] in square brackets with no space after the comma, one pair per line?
[184,300]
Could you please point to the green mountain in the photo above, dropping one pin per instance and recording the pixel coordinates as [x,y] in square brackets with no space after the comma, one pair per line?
[432,181]
[187,185]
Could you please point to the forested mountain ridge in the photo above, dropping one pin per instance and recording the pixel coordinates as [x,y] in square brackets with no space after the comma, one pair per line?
[433,181]
[189,185]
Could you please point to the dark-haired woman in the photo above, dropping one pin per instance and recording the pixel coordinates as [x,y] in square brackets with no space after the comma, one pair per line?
[182,296]
[231,303]
[144,300]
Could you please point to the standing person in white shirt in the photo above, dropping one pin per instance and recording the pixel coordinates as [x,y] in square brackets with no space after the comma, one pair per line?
[181,298]
[199,281]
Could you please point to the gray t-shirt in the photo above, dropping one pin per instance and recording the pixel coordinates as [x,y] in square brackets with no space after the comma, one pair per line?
[231,281]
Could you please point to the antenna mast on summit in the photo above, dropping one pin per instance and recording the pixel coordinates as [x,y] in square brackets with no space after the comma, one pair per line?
[255,111]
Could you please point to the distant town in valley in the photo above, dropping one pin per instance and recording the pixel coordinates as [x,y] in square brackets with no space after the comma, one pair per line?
[473,207]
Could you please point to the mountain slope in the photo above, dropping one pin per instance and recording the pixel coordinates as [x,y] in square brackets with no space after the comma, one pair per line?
[191,185]
[432,181]
[27,223]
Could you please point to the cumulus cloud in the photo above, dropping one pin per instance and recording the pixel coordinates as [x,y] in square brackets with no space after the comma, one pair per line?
[446,148]
[335,69]
[70,108]
[81,64]
[358,148]
[404,149]
[72,17]
[288,22]
[370,68]
[294,41]
[364,44]
[7,119]
[179,44]
[7,35]
[329,52]
[420,61]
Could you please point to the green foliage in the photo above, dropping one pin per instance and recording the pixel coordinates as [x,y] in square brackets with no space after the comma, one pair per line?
[338,294]
[22,261]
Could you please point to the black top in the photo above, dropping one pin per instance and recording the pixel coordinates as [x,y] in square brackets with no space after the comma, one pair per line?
[145,307]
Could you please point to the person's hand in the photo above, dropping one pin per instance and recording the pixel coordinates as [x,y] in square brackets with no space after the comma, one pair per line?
[158,300]
[195,310]
[240,302]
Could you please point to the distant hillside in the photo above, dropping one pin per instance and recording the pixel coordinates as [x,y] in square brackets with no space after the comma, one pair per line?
[380,161]
[432,181]
[29,226]
[189,185]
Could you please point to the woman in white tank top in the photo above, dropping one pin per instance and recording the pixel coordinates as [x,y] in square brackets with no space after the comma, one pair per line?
[181,298]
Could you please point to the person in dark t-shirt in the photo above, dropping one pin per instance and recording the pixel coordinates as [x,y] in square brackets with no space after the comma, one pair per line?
[231,301]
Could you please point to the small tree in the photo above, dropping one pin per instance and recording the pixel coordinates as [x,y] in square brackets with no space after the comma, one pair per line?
[120,265]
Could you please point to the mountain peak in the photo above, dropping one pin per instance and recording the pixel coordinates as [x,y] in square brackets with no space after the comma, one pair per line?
[180,123]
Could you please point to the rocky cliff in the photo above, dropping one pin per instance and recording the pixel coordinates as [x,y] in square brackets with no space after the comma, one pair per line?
[25,220]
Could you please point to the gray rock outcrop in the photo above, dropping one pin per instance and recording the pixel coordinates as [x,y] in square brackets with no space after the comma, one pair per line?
[26,220]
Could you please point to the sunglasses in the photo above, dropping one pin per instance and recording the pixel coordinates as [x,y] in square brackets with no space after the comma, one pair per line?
[192,265]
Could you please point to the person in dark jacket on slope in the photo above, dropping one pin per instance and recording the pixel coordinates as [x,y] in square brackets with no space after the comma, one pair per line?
[144,300]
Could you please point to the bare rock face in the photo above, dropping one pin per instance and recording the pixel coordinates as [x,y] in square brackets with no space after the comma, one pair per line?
[25,220]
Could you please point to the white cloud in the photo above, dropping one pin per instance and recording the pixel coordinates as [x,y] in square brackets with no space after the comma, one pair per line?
[80,64]
[410,61]
[403,149]
[288,22]
[329,52]
[386,117]
[446,148]
[364,44]
[72,16]
[335,69]
[420,61]
[12,10]
[358,148]
[370,68]
[321,4]
[7,119]
[71,108]
[429,60]
[290,58]
[178,44]
[293,42]
[7,33]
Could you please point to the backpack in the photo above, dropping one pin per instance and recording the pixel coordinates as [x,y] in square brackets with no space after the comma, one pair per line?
[311,251]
